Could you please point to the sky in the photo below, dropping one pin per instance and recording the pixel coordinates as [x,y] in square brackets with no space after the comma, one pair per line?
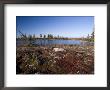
[66,26]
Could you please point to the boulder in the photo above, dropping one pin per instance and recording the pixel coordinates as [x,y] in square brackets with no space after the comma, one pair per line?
[58,49]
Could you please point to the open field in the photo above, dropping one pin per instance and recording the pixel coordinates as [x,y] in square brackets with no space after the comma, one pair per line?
[55,59]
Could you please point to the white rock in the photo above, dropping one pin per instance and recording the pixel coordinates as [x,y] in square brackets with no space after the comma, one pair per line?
[58,49]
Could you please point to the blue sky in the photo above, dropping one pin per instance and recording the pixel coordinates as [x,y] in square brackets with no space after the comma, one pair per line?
[66,26]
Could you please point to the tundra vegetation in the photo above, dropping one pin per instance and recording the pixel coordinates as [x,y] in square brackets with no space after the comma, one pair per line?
[54,58]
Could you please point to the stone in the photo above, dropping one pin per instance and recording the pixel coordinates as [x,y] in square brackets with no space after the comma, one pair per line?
[58,49]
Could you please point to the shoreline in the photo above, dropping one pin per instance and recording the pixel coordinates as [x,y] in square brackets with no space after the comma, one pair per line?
[80,39]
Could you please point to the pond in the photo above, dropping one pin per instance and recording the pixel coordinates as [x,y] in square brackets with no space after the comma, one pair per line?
[52,41]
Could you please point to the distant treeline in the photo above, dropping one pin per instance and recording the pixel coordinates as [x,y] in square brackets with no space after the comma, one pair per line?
[50,36]
[41,36]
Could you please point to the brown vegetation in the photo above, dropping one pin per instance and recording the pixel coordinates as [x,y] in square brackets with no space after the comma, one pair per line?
[74,59]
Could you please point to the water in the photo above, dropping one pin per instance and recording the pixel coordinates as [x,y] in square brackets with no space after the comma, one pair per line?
[50,42]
